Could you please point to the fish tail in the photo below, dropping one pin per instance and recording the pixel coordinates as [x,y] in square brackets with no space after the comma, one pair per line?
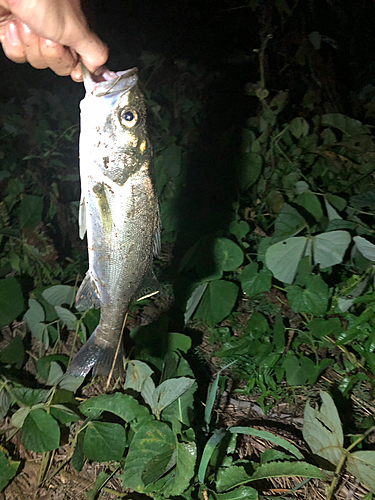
[97,355]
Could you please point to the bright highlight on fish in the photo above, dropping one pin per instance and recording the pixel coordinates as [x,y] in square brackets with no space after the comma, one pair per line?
[119,210]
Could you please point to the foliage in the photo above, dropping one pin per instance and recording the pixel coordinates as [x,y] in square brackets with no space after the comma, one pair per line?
[283,292]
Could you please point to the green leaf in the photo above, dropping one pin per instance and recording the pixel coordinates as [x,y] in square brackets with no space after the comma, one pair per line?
[366,248]
[11,301]
[217,302]
[178,480]
[211,444]
[322,430]
[287,469]
[330,248]
[362,465]
[230,477]
[249,170]
[233,476]
[151,440]
[104,441]
[122,405]
[78,457]
[30,397]
[228,255]
[254,281]
[310,202]
[299,371]
[59,294]
[277,440]
[283,258]
[40,432]
[63,414]
[288,223]
[348,125]
[299,127]
[312,300]
[170,390]
[34,318]
[99,483]
[31,208]
[320,327]
[194,300]
[331,212]
[13,353]
[136,373]
[67,317]
[211,395]
[245,492]
[239,229]
[8,469]
[5,402]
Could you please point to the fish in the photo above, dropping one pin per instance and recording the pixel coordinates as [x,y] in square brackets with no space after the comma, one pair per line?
[119,211]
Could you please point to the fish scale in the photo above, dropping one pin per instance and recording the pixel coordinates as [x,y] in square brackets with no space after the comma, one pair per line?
[119,210]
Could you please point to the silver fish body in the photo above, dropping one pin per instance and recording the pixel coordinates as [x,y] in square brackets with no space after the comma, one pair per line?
[119,210]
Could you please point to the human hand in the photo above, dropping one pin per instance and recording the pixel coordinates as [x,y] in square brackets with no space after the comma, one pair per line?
[50,33]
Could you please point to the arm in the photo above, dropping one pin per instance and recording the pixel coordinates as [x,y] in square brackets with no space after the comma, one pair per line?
[50,33]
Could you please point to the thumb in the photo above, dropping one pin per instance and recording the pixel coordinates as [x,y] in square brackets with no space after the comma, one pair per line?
[92,51]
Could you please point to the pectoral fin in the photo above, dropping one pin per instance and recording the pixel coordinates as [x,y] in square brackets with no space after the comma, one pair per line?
[149,287]
[82,218]
[87,296]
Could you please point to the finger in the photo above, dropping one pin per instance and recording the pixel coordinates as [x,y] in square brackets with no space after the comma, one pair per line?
[59,58]
[92,51]
[76,74]
[30,42]
[12,43]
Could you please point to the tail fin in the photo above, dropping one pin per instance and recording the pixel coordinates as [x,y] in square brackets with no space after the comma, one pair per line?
[96,356]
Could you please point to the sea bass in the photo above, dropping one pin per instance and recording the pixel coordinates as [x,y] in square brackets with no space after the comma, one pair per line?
[119,210]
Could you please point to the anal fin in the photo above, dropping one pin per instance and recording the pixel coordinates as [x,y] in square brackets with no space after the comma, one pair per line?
[149,287]
[87,296]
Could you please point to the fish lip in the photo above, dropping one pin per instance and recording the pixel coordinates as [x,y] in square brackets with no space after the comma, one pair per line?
[115,82]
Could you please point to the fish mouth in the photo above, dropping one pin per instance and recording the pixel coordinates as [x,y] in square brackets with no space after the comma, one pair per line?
[109,82]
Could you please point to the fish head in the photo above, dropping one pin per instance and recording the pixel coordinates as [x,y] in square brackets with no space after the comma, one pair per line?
[113,125]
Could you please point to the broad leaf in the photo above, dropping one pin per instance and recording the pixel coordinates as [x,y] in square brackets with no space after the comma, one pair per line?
[322,430]
[151,440]
[362,465]
[228,255]
[136,373]
[122,405]
[59,294]
[313,299]
[330,248]
[40,432]
[66,317]
[170,390]
[254,281]
[366,248]
[11,301]
[283,258]
[288,223]
[8,469]
[104,441]
[243,492]
[217,302]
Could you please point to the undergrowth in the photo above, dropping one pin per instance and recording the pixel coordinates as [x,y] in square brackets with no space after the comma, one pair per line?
[283,293]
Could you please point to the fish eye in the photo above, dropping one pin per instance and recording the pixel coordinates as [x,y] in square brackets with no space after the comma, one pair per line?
[129,118]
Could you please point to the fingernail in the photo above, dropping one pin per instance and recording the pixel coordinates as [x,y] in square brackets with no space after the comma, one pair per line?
[99,71]
[12,33]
